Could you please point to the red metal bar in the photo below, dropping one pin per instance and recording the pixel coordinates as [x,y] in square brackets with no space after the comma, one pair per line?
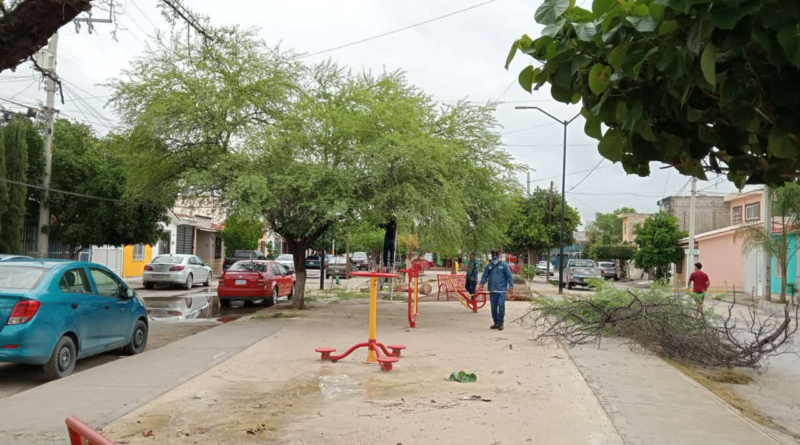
[335,358]
[412,273]
[373,274]
[385,351]
[78,431]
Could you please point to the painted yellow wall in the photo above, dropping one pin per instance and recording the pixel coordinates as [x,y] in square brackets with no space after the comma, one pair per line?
[132,268]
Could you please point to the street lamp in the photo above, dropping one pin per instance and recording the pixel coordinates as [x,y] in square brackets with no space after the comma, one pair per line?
[563,191]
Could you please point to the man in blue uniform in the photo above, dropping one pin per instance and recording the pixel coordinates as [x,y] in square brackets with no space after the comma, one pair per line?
[500,279]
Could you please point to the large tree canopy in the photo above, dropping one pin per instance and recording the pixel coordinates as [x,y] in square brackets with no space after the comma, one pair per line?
[606,229]
[657,239]
[696,84]
[536,222]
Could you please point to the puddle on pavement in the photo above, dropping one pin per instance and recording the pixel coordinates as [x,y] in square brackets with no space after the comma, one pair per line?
[199,306]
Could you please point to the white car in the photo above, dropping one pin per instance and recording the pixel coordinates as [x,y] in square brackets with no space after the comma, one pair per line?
[541,268]
[183,270]
[287,260]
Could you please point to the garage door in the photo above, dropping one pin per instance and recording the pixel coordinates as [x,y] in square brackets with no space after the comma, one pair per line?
[185,241]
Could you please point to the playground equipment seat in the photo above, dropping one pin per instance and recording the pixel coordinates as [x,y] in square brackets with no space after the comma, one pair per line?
[396,349]
[450,283]
[326,352]
[387,362]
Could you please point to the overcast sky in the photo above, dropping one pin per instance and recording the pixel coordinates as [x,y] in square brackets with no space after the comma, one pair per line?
[458,57]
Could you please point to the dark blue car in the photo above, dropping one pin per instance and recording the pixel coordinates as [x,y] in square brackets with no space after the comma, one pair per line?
[53,313]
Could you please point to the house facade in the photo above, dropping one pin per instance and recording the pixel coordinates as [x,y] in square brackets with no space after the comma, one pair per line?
[711,212]
[629,223]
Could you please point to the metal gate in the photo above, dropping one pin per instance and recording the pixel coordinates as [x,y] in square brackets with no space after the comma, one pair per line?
[185,241]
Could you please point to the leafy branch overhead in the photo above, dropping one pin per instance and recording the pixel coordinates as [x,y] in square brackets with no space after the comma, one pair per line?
[701,85]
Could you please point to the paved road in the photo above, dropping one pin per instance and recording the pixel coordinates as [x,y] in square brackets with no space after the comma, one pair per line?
[104,393]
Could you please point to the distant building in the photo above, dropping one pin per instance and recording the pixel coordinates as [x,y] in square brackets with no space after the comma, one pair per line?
[629,223]
[711,212]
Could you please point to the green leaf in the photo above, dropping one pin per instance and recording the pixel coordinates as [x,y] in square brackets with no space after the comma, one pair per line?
[463,377]
[708,62]
[668,27]
[526,79]
[789,39]
[657,11]
[693,115]
[641,10]
[554,29]
[560,94]
[646,131]
[738,181]
[550,11]
[579,15]
[579,63]
[672,65]
[728,16]
[599,78]
[617,56]
[512,53]
[592,126]
[781,145]
[600,7]
[643,24]
[611,146]
[585,31]
[622,111]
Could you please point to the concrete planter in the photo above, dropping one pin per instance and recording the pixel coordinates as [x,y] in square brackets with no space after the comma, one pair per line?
[774,309]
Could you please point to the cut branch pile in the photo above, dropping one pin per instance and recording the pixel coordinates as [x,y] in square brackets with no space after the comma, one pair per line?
[664,323]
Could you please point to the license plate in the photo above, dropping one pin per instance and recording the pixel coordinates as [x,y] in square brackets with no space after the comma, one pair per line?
[160,276]
[241,282]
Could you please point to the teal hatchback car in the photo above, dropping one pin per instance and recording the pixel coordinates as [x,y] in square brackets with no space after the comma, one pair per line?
[53,313]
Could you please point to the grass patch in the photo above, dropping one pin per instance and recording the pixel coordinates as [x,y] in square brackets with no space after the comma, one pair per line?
[554,282]
[350,295]
[273,315]
[717,382]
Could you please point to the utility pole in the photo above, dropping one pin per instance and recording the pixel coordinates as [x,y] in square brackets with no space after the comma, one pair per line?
[44,211]
[692,214]
[767,255]
[549,221]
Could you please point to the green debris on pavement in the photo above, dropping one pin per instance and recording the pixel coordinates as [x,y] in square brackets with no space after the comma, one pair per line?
[463,377]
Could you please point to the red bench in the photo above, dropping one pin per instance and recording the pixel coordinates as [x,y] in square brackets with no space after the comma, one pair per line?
[446,281]
[81,433]
[516,269]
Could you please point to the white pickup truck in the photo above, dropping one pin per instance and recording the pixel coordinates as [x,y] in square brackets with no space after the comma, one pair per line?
[579,272]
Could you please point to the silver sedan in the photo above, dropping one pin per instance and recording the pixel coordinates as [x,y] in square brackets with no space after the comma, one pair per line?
[183,270]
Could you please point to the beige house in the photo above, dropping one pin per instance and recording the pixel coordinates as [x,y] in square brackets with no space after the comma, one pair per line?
[629,223]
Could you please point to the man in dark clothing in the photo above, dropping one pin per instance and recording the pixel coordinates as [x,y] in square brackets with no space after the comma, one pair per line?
[472,274]
[500,279]
[389,240]
[700,284]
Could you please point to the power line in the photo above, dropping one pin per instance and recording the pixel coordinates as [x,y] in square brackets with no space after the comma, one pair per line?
[528,128]
[24,89]
[144,15]
[587,175]
[397,30]
[572,173]
[549,145]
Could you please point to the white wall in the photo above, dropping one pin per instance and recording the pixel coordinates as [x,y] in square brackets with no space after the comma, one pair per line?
[108,256]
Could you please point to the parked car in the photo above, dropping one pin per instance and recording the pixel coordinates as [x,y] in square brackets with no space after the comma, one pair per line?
[360,261]
[579,272]
[239,255]
[252,280]
[183,270]
[287,260]
[336,266]
[608,269]
[541,268]
[312,262]
[53,313]
[11,257]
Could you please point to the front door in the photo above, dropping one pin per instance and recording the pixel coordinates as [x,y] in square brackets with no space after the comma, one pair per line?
[117,324]
[279,279]
[86,308]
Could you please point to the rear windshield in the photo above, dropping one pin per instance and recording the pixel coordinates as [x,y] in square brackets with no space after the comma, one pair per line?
[359,255]
[584,263]
[249,266]
[244,254]
[606,264]
[15,277]
[285,257]
[167,260]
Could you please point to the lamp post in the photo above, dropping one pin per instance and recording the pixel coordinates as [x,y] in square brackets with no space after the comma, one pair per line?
[565,123]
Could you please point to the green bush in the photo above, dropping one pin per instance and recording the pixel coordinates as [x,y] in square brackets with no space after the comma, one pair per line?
[621,252]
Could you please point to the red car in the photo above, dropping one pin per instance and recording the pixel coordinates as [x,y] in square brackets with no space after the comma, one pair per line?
[255,280]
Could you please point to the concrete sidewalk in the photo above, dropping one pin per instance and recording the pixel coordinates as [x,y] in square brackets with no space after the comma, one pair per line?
[103,394]
[652,403]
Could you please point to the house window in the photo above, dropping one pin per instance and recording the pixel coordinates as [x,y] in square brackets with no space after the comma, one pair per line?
[138,252]
[679,267]
[737,215]
[218,248]
[752,212]
[778,269]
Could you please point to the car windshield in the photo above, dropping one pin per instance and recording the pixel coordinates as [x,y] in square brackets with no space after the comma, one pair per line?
[359,255]
[167,260]
[244,254]
[583,263]
[250,266]
[284,257]
[15,277]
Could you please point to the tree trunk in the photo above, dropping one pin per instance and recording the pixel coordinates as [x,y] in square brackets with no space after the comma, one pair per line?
[299,256]
[30,25]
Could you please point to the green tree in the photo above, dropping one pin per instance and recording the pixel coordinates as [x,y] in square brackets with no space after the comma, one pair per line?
[36,166]
[695,84]
[14,137]
[606,229]
[536,223]
[242,233]
[84,165]
[785,207]
[620,252]
[658,241]
[3,184]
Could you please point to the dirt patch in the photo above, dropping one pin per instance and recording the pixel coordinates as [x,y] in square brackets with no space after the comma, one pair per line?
[273,315]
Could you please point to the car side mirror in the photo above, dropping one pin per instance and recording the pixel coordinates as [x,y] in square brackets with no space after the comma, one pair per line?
[130,293]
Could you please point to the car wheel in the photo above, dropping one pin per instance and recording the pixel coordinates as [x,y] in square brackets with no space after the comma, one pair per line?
[273,300]
[570,286]
[189,282]
[208,280]
[224,302]
[138,341]
[149,285]
[62,361]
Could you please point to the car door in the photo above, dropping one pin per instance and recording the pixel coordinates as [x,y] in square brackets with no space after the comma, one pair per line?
[200,271]
[276,275]
[286,278]
[87,309]
[118,322]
